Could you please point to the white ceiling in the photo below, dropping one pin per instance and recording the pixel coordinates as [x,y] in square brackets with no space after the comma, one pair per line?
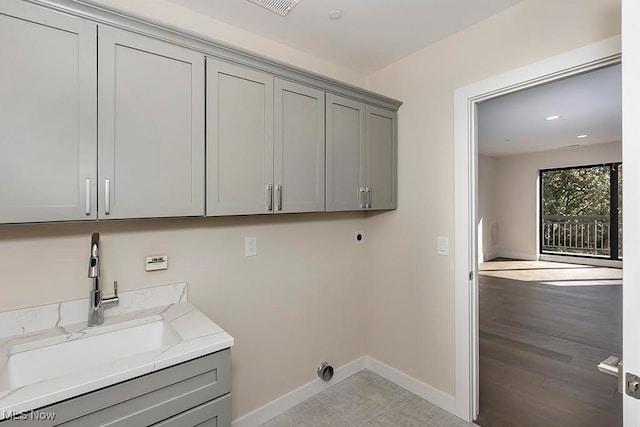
[589,103]
[371,33]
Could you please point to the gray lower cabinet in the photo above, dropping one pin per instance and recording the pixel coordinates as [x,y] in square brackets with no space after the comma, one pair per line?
[190,394]
[151,127]
[361,156]
[265,143]
[48,109]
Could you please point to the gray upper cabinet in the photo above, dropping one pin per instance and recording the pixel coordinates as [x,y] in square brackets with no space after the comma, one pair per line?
[361,156]
[346,176]
[265,143]
[239,140]
[104,116]
[47,115]
[151,127]
[381,159]
[299,166]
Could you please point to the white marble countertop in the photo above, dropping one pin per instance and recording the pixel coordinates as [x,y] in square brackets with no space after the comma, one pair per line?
[50,324]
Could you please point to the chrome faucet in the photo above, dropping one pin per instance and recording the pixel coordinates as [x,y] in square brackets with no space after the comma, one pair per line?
[96,301]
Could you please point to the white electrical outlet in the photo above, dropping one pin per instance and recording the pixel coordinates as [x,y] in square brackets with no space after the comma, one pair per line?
[156,262]
[250,246]
[358,237]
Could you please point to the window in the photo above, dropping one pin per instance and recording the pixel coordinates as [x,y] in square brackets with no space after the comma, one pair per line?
[581,211]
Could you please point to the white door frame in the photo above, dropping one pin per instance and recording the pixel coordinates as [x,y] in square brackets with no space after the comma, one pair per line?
[577,61]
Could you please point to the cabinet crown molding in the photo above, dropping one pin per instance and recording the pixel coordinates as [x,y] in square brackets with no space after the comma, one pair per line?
[97,12]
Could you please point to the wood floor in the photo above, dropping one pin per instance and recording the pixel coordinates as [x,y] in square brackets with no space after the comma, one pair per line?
[540,344]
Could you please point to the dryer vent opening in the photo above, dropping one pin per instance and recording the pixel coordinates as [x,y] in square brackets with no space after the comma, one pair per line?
[325,371]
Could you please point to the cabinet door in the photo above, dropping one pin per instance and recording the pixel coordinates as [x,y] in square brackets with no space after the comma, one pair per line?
[382,158]
[47,115]
[239,140]
[345,153]
[151,127]
[299,166]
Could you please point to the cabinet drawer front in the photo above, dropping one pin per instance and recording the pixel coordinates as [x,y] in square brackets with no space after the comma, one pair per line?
[155,406]
[48,112]
[180,387]
[216,413]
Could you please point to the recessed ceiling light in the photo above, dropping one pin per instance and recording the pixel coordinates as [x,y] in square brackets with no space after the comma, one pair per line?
[335,14]
[584,135]
[553,118]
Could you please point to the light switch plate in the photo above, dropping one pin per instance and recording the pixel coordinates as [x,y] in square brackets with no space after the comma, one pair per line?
[443,245]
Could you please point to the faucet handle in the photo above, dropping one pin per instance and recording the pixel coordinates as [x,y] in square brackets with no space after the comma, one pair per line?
[113,300]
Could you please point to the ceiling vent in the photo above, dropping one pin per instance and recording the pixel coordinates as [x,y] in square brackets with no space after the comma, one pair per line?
[281,7]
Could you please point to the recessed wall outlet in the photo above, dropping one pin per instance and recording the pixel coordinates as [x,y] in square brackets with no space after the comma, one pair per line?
[250,246]
[358,237]
[156,262]
[443,245]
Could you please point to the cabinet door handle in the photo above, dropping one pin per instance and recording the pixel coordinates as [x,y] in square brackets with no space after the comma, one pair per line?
[368,202]
[278,198]
[269,197]
[361,197]
[107,198]
[87,196]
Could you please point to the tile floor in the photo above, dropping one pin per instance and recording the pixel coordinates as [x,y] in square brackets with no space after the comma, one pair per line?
[366,399]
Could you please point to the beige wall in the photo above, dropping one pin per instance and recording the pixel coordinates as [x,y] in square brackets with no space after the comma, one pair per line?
[518,189]
[488,211]
[297,303]
[411,289]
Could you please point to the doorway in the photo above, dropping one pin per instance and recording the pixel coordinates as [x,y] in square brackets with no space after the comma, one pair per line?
[545,326]
[466,102]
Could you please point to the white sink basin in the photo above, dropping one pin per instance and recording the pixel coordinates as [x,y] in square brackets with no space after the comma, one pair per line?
[92,348]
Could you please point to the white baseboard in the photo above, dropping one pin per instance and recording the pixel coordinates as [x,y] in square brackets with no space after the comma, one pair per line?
[489,257]
[523,256]
[425,391]
[299,395]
